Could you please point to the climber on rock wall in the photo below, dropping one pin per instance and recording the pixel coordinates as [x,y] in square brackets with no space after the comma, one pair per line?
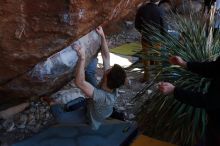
[100,98]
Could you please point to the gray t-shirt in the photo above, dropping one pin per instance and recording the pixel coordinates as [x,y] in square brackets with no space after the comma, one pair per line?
[100,107]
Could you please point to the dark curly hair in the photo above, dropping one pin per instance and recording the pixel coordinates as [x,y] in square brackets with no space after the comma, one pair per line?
[116,77]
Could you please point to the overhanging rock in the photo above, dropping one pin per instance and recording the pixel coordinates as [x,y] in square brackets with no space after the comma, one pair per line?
[51,74]
[32,31]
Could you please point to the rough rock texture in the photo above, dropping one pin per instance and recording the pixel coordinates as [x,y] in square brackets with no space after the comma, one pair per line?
[51,74]
[31,31]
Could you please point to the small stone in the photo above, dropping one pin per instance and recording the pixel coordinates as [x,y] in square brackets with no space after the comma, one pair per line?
[42,116]
[31,118]
[44,123]
[98,78]
[32,103]
[129,104]
[32,122]
[42,110]
[36,128]
[32,109]
[121,91]
[121,108]
[22,126]
[47,107]
[8,125]
[149,92]
[21,121]
[131,116]
[47,115]
[37,116]
[37,104]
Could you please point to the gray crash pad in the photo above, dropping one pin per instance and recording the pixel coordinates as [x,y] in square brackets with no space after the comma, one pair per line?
[113,133]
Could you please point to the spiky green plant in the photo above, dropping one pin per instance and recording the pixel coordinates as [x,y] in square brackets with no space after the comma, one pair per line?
[163,116]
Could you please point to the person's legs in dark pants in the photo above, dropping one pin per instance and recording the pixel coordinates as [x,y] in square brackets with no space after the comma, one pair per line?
[73,117]
[146,63]
[91,71]
[76,104]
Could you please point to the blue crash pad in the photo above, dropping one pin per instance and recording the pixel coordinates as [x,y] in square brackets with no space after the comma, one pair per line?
[109,134]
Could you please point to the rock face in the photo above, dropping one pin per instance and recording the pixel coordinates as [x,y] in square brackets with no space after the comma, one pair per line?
[51,74]
[31,31]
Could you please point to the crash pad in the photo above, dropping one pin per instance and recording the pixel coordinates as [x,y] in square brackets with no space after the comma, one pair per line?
[111,133]
[128,49]
[143,140]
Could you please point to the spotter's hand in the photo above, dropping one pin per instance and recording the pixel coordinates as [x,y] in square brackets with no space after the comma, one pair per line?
[166,88]
[176,60]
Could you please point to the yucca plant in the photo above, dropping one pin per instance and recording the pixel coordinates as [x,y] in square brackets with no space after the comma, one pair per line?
[163,116]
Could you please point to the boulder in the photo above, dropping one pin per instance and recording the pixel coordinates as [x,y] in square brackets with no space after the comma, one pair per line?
[31,31]
[51,74]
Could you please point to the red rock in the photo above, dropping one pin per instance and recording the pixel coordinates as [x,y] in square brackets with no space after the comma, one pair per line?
[31,31]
